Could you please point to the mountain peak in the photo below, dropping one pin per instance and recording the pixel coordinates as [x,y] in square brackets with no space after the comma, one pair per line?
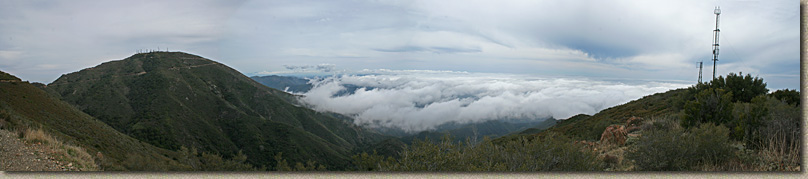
[175,99]
[141,64]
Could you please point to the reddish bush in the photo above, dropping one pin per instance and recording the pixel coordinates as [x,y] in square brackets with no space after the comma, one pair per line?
[614,134]
[634,121]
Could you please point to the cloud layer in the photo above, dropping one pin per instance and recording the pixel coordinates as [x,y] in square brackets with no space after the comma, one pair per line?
[416,100]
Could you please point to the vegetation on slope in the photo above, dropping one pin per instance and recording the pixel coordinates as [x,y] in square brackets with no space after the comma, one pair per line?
[477,131]
[703,127]
[24,107]
[554,153]
[175,99]
[8,77]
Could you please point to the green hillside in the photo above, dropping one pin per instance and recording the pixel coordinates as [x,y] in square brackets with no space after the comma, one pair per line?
[478,131]
[8,77]
[731,123]
[174,99]
[585,127]
[24,106]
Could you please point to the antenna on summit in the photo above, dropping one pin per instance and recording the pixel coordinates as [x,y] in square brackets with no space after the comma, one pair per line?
[717,12]
[700,65]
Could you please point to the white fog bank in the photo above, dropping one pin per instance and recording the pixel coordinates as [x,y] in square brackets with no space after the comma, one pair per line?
[416,100]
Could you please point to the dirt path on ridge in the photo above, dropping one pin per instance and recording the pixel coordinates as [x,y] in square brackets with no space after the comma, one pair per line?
[16,155]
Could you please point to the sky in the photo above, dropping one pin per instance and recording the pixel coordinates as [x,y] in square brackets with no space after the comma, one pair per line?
[615,39]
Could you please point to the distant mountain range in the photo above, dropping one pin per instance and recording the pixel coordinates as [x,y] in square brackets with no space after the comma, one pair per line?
[284,83]
[477,131]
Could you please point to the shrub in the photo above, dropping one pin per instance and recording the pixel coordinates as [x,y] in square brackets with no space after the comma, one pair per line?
[212,162]
[779,134]
[750,118]
[675,149]
[743,88]
[658,150]
[710,143]
[710,105]
[215,162]
[791,97]
[282,165]
[551,153]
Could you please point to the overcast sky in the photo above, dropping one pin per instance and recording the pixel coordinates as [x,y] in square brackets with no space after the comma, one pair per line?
[646,40]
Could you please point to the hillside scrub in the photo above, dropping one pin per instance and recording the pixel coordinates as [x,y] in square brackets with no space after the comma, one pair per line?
[283,165]
[767,125]
[779,135]
[552,153]
[728,124]
[63,152]
[743,88]
[790,96]
[710,105]
[677,149]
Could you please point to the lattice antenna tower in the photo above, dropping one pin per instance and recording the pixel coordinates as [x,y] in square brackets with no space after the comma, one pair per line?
[717,12]
[700,65]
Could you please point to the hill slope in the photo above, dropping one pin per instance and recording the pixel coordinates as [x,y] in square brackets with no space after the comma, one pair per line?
[23,105]
[478,131]
[585,127]
[173,99]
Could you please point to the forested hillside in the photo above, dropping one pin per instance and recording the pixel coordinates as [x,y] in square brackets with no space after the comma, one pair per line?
[174,100]
[24,107]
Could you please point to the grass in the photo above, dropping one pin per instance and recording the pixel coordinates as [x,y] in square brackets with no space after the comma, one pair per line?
[65,153]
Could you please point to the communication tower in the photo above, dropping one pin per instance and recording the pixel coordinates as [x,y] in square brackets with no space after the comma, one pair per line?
[717,12]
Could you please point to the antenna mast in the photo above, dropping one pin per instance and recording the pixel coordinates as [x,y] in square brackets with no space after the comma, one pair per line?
[700,63]
[717,12]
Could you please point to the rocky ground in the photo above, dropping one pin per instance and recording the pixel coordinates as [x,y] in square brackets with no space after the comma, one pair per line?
[17,155]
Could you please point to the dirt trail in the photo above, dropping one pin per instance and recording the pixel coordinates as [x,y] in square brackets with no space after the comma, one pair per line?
[192,66]
[16,155]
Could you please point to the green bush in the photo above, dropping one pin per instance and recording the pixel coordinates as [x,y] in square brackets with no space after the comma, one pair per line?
[743,88]
[675,150]
[282,165]
[750,117]
[711,105]
[781,127]
[213,162]
[551,153]
[791,97]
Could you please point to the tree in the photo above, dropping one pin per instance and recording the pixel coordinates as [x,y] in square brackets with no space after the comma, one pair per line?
[743,88]
[791,97]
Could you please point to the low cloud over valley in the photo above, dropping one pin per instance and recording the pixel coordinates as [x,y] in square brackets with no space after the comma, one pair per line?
[417,100]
